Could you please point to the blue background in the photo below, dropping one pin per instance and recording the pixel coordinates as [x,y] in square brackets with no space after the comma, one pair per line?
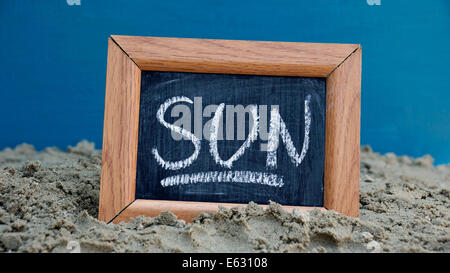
[53,60]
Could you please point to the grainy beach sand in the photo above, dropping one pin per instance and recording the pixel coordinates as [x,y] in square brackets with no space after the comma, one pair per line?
[49,201]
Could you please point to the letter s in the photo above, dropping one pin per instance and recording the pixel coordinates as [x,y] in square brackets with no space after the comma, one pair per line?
[176,165]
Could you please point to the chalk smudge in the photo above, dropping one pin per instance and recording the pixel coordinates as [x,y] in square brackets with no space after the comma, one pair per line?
[224,177]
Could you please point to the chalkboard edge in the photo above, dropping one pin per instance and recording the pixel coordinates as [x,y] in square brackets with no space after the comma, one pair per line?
[234,56]
[342,139]
[120,133]
[184,210]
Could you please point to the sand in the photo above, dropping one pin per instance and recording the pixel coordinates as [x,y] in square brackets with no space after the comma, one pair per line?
[49,201]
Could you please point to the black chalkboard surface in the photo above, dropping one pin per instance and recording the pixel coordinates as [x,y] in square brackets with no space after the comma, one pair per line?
[244,164]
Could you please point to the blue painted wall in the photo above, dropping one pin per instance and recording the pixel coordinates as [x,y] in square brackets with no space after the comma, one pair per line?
[53,60]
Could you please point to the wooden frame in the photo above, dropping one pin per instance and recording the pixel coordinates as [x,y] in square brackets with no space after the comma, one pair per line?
[340,64]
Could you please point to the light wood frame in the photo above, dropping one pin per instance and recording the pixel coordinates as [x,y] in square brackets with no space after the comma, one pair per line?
[340,64]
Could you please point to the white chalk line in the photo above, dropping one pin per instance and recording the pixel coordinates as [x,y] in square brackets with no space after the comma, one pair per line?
[262,178]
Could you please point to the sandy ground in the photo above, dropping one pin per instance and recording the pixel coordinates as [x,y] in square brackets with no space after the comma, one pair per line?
[49,200]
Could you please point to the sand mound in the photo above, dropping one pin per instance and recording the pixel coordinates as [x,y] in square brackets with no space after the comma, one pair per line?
[49,200]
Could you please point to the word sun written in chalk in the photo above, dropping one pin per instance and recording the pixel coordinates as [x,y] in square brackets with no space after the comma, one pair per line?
[277,130]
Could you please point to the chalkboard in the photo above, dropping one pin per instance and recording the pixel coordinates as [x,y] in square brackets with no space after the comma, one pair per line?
[231,138]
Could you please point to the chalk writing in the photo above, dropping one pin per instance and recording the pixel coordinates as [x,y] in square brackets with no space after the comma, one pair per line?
[214,132]
[160,116]
[277,128]
[224,177]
